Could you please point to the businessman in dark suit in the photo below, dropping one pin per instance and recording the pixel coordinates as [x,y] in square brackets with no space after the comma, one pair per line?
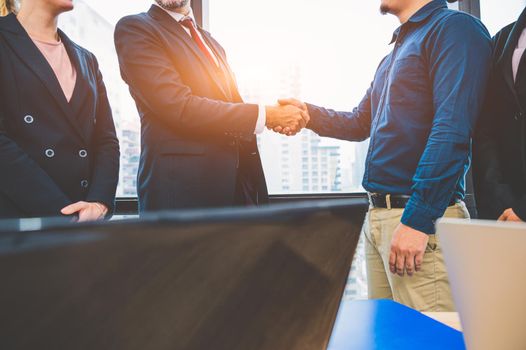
[500,142]
[198,137]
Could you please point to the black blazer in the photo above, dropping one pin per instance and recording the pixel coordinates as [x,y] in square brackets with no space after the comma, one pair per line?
[52,153]
[197,135]
[500,140]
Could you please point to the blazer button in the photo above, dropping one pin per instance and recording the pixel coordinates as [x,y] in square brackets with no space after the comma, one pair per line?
[50,153]
[83,153]
[29,119]
[84,183]
[519,116]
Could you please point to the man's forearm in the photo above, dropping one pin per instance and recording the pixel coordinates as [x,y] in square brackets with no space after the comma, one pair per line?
[349,126]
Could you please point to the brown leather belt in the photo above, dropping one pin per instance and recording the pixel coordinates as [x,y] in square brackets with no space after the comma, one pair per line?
[393,201]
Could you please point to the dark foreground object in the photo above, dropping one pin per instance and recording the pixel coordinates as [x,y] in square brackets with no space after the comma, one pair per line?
[268,278]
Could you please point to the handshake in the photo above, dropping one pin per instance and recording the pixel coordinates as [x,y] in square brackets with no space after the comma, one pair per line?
[288,118]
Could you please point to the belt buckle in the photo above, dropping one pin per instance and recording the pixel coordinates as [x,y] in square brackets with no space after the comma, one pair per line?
[370,197]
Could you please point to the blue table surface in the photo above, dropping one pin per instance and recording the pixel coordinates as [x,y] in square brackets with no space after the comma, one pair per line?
[386,325]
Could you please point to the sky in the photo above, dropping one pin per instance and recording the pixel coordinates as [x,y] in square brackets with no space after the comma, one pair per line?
[115,9]
[496,15]
[336,43]
[262,36]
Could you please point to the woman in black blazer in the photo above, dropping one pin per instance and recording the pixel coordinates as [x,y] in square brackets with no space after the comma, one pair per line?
[59,154]
[499,146]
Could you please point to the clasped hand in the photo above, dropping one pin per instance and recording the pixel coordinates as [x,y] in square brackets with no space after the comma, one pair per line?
[86,211]
[288,118]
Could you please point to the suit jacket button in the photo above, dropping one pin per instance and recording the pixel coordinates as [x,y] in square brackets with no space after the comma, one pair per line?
[29,119]
[84,183]
[50,153]
[519,116]
[83,153]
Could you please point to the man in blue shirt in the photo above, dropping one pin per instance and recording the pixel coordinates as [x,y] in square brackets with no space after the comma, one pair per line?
[419,114]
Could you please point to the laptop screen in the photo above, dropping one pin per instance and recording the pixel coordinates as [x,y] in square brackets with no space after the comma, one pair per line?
[266,278]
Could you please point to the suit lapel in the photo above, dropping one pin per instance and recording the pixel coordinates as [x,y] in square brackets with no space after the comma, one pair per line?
[84,82]
[175,28]
[26,50]
[505,61]
[229,75]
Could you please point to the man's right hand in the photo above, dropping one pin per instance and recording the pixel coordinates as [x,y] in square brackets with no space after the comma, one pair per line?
[296,103]
[288,117]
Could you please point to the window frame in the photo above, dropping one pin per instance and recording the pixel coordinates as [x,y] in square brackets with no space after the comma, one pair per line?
[129,205]
[470,6]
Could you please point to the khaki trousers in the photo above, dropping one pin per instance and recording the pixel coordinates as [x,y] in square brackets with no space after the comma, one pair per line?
[427,290]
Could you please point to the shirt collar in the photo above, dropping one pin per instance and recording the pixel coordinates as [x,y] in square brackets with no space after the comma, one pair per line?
[421,15]
[177,16]
[427,11]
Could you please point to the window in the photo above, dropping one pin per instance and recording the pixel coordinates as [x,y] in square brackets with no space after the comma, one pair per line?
[285,57]
[91,25]
[496,15]
[291,48]
[293,58]
[277,48]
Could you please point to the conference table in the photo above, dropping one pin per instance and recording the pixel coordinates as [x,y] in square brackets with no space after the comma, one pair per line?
[385,325]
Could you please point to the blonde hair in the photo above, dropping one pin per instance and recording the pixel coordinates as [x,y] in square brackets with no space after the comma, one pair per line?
[7,6]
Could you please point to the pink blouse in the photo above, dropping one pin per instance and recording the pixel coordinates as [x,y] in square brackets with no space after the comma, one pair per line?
[517,55]
[57,57]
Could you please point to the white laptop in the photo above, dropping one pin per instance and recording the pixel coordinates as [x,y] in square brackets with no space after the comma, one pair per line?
[486,262]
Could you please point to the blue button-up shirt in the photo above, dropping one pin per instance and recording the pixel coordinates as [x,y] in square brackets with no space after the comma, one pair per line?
[420,112]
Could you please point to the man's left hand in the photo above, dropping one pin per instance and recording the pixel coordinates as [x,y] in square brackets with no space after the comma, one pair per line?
[408,247]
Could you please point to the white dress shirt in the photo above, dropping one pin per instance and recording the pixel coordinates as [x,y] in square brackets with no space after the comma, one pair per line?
[517,55]
[262,112]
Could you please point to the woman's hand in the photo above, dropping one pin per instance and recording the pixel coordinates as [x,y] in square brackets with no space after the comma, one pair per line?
[509,215]
[86,211]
